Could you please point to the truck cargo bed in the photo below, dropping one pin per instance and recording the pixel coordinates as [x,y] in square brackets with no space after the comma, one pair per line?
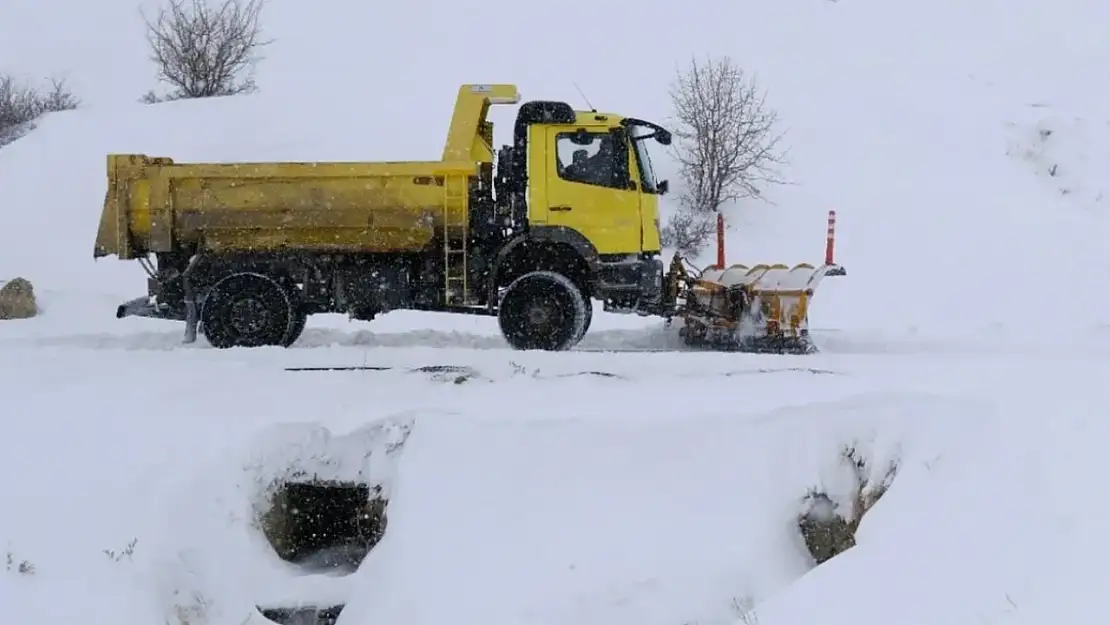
[155,205]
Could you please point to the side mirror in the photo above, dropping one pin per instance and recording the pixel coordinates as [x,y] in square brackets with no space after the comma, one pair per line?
[664,186]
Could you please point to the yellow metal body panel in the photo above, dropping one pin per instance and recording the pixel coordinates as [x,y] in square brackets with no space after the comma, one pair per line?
[537,184]
[649,223]
[358,207]
[615,220]
[156,205]
[470,137]
[608,217]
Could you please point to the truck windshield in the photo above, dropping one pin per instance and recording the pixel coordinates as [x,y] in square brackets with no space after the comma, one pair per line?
[640,141]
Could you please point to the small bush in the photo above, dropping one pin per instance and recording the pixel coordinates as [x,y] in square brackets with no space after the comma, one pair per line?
[127,552]
[204,50]
[21,104]
[12,564]
[193,611]
[688,231]
[744,609]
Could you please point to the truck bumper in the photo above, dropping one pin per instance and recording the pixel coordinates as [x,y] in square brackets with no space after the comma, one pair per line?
[630,285]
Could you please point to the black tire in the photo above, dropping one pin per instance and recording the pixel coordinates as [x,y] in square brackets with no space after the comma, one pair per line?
[589,319]
[542,310]
[296,328]
[300,317]
[247,310]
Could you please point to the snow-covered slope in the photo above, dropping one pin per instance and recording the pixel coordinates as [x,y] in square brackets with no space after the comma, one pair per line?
[920,125]
[657,493]
[964,145]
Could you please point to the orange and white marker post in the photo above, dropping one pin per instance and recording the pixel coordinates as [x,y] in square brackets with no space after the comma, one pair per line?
[830,238]
[720,240]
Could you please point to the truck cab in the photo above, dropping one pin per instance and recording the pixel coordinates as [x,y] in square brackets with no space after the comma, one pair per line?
[599,181]
[586,179]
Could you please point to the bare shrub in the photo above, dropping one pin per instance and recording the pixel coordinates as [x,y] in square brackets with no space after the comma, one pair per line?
[12,564]
[726,144]
[868,491]
[688,230]
[744,609]
[127,552]
[21,104]
[204,50]
[194,610]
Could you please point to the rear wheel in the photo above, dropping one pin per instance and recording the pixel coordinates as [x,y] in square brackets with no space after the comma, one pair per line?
[247,310]
[299,315]
[589,318]
[300,319]
[543,310]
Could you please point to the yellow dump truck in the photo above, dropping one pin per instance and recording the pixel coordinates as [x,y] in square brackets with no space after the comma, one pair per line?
[245,252]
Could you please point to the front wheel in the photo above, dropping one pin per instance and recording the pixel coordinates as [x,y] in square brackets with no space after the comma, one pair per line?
[542,310]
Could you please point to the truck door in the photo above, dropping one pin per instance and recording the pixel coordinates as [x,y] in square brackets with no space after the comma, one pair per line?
[590,188]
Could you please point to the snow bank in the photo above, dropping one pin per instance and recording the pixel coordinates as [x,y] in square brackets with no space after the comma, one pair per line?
[657,488]
[629,521]
[212,552]
[622,502]
[1005,528]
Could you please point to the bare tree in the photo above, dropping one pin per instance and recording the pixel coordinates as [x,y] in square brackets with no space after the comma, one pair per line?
[688,231]
[726,145]
[204,50]
[20,105]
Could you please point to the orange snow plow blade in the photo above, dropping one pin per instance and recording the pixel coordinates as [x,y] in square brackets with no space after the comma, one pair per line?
[760,308]
[764,308]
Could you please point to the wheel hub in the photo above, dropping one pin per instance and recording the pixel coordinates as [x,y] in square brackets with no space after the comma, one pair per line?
[539,315]
[248,316]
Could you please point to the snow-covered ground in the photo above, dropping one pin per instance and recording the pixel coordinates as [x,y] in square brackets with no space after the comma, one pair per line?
[964,145]
[556,488]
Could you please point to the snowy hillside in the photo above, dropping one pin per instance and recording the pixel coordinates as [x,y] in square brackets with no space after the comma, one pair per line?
[964,146]
[925,136]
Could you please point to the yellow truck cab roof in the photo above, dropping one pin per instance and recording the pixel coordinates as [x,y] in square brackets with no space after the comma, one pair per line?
[594,118]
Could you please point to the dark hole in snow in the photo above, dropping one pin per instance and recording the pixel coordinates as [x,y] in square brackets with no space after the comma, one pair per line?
[826,533]
[303,615]
[325,526]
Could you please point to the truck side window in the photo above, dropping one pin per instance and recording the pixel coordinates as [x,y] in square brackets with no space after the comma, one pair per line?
[599,158]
